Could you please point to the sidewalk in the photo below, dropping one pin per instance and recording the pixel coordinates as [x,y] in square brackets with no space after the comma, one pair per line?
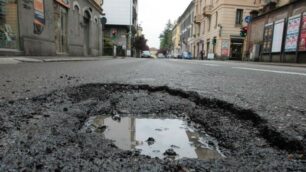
[303,65]
[279,64]
[40,59]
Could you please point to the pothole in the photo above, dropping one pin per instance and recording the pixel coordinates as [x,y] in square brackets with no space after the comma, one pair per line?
[116,127]
[162,138]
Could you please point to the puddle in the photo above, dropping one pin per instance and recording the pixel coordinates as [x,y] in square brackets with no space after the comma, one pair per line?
[163,134]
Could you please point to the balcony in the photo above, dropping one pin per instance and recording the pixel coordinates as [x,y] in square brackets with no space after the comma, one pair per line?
[207,10]
[198,19]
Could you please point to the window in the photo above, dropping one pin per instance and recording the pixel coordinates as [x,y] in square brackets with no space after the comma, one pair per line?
[76,8]
[208,23]
[239,17]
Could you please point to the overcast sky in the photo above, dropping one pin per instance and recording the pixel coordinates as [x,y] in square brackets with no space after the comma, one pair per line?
[154,14]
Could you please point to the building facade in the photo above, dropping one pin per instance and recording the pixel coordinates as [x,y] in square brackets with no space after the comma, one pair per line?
[198,43]
[277,32]
[213,26]
[176,40]
[50,28]
[121,27]
[186,25]
[220,28]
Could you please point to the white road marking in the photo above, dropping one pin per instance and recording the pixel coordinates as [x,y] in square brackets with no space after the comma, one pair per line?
[214,65]
[272,71]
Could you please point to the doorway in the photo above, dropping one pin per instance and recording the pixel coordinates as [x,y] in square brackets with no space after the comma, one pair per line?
[86,19]
[236,49]
[61,23]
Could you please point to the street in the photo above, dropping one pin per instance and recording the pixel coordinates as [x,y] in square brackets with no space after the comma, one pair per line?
[276,94]
[152,86]
[269,90]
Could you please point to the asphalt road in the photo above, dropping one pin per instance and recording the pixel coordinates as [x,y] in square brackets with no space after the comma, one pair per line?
[276,93]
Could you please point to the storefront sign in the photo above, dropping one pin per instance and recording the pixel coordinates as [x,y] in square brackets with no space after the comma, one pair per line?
[293,33]
[39,12]
[302,46]
[278,36]
[225,48]
[65,3]
[268,35]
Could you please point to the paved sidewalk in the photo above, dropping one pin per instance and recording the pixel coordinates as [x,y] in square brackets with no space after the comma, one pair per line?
[8,61]
[281,64]
[271,63]
[260,63]
[38,59]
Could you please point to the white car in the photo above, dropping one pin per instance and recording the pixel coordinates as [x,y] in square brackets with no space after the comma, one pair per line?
[161,55]
[146,54]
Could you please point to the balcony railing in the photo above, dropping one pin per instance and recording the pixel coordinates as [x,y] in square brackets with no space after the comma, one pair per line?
[207,10]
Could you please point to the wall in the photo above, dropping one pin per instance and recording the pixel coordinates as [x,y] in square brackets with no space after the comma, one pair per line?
[257,29]
[43,44]
[120,40]
[33,44]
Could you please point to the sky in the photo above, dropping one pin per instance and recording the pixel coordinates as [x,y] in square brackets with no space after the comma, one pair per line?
[154,14]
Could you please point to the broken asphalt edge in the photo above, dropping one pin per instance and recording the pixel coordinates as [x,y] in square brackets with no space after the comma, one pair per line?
[282,141]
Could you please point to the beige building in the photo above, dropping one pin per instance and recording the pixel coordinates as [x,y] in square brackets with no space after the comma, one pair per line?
[198,42]
[176,40]
[217,27]
[278,3]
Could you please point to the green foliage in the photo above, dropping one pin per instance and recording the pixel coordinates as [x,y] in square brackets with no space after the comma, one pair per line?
[108,43]
[166,37]
[140,43]
[108,46]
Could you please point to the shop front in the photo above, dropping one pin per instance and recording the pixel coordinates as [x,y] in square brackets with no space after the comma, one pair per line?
[236,48]
[9,28]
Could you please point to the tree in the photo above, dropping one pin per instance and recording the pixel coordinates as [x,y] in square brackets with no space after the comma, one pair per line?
[140,44]
[166,38]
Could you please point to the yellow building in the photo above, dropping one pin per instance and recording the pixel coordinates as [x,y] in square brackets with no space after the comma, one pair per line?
[176,40]
[217,27]
[198,42]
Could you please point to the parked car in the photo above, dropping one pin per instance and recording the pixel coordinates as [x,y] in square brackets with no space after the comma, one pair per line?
[186,55]
[146,54]
[161,55]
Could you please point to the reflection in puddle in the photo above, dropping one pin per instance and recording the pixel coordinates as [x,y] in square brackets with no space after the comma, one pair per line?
[175,134]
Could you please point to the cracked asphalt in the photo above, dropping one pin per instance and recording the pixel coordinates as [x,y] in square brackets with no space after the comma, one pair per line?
[275,93]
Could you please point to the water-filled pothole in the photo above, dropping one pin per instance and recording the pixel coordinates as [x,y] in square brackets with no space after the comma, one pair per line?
[161,138]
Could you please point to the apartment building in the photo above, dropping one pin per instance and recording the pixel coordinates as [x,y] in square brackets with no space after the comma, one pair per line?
[217,27]
[277,32]
[49,28]
[121,26]
[198,42]
[186,25]
[176,40]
